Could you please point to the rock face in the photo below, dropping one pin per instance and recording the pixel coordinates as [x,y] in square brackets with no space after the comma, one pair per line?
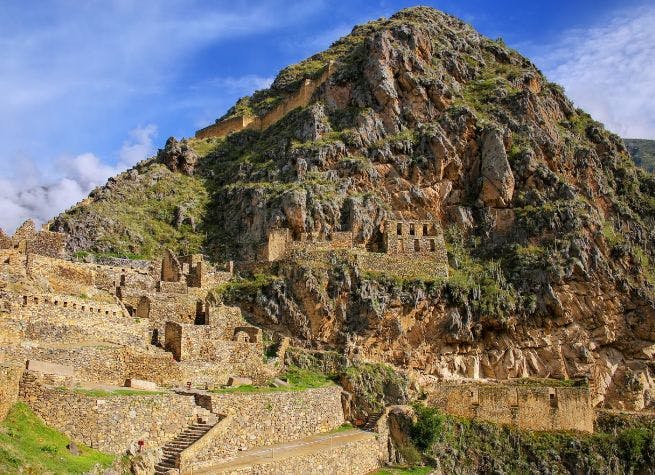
[178,157]
[549,225]
[497,178]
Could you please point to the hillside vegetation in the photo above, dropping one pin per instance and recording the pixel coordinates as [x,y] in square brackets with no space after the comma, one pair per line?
[642,152]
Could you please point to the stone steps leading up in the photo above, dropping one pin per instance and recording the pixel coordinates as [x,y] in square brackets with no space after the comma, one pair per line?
[349,452]
[372,421]
[184,440]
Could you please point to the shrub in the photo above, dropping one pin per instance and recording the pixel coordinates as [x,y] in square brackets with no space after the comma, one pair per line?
[428,426]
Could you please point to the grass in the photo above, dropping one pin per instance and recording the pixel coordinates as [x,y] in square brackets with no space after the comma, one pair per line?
[298,379]
[342,428]
[115,392]
[551,383]
[27,445]
[403,471]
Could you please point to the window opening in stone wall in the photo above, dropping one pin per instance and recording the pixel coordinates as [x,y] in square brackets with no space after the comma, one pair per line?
[425,230]
[553,400]
[433,245]
[417,245]
[412,231]
[399,229]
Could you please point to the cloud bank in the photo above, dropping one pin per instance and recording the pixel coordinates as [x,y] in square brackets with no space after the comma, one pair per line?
[609,70]
[32,193]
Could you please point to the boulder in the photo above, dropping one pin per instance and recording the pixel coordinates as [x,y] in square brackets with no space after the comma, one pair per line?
[141,384]
[497,178]
[278,383]
[236,381]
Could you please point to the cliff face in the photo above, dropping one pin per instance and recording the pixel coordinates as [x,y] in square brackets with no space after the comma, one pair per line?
[549,225]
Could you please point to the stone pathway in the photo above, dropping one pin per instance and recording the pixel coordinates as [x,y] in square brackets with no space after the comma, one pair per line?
[296,448]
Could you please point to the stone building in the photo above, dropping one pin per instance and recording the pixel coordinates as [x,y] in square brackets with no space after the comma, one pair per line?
[28,240]
[413,237]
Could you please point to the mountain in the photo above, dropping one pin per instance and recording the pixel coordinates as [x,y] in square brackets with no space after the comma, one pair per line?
[548,224]
[642,152]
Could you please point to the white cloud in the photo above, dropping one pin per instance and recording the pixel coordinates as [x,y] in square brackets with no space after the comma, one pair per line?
[241,85]
[36,194]
[609,70]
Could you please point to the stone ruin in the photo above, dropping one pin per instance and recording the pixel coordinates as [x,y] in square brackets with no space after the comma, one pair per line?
[27,239]
[409,248]
[249,122]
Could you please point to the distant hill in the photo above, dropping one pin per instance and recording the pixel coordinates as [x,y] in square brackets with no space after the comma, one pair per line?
[642,152]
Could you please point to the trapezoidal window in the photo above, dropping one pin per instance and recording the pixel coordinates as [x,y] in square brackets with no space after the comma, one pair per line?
[425,230]
[417,245]
[399,229]
[553,399]
[412,231]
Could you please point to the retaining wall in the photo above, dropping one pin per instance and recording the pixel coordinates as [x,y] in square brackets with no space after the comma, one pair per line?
[533,408]
[262,419]
[113,423]
[9,378]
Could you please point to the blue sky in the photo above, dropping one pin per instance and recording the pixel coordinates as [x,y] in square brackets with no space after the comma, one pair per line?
[89,88]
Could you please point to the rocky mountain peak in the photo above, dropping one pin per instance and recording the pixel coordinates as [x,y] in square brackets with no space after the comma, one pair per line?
[549,226]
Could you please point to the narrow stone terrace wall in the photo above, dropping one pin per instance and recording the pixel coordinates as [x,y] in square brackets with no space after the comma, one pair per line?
[64,318]
[533,408]
[353,458]
[9,378]
[108,364]
[110,424]
[261,419]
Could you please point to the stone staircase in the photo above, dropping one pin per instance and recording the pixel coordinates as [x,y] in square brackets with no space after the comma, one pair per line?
[206,420]
[371,421]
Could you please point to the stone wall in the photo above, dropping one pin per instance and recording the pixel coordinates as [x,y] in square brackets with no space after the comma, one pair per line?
[113,423]
[415,237]
[44,242]
[225,127]
[533,408]
[202,343]
[262,419]
[10,375]
[403,266]
[50,317]
[355,457]
[225,320]
[276,247]
[107,363]
[300,98]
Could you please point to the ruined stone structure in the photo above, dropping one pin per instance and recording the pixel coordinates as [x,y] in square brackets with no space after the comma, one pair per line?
[414,237]
[411,248]
[29,240]
[527,407]
[299,99]
[185,271]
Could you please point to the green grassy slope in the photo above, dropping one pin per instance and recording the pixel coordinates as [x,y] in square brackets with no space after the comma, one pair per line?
[27,445]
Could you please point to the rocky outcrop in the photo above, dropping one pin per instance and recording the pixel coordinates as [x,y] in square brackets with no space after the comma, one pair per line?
[178,156]
[497,178]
